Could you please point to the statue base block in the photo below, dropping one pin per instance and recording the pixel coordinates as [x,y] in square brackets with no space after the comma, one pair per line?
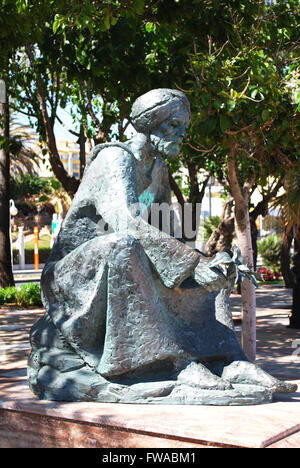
[26,421]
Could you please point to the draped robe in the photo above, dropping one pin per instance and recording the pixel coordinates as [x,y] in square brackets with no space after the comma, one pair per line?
[119,297]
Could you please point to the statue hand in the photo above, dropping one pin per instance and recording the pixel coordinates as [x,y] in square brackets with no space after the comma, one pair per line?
[212,279]
[233,266]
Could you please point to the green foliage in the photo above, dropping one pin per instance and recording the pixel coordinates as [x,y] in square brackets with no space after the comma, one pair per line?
[44,253]
[269,250]
[240,92]
[87,55]
[28,186]
[27,295]
[8,295]
[237,61]
[30,295]
[210,224]
[289,201]
[272,223]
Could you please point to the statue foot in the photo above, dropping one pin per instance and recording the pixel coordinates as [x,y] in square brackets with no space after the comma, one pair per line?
[243,372]
[197,375]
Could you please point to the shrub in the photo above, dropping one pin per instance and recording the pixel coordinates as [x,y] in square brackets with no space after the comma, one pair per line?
[269,250]
[30,295]
[27,295]
[28,184]
[210,224]
[8,295]
[44,253]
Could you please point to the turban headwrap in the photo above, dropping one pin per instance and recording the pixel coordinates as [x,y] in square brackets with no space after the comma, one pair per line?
[154,107]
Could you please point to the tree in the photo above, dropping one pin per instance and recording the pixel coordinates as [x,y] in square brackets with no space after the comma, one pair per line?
[268,193]
[55,53]
[289,203]
[245,119]
[233,60]
[6,275]
[98,57]
[221,238]
[12,35]
[21,140]
[285,257]
[88,55]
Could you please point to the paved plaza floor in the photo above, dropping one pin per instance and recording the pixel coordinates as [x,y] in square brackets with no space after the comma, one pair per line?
[272,425]
[278,347]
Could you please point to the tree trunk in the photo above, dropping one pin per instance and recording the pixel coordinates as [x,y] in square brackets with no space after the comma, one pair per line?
[221,239]
[295,317]
[190,220]
[180,199]
[261,209]
[6,274]
[82,158]
[243,232]
[70,184]
[254,235]
[195,198]
[285,259]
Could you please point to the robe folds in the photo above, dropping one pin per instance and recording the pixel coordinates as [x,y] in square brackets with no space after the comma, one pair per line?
[119,297]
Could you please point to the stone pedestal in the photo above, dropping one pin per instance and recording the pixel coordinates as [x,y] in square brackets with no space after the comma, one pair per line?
[27,422]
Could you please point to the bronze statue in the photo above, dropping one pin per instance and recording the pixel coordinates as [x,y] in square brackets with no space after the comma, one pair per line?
[133,314]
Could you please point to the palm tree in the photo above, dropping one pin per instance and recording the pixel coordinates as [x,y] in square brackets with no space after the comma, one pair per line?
[289,204]
[22,139]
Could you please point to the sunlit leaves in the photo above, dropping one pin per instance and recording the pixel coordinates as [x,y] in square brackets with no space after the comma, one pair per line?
[247,82]
[234,63]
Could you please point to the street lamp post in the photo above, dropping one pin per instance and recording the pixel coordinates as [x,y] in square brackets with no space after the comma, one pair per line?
[2,92]
[13,211]
[21,248]
[210,184]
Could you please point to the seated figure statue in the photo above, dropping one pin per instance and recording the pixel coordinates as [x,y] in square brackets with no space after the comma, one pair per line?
[133,314]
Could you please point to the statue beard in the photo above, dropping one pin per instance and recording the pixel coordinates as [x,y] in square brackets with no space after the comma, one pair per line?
[161,147]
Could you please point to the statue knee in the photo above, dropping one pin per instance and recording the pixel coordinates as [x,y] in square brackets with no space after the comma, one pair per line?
[124,250]
[127,242]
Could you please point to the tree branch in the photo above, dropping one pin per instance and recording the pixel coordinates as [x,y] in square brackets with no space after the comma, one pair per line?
[89,104]
[204,185]
[67,128]
[28,114]
[201,151]
[69,183]
[262,207]
[174,186]
[235,132]
[57,92]
[232,177]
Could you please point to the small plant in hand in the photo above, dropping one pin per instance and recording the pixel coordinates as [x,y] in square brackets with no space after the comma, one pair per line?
[29,295]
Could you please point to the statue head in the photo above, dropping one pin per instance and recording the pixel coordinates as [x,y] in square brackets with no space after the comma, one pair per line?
[163,114]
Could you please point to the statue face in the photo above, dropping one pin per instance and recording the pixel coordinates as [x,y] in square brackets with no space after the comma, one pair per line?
[167,138]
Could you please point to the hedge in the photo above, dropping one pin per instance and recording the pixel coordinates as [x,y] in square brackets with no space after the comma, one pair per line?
[44,253]
[28,295]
